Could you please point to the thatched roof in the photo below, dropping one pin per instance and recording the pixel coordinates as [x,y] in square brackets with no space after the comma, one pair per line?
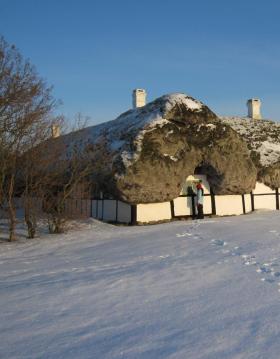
[146,154]
[263,141]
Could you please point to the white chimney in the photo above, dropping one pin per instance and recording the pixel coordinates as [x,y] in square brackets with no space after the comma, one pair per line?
[254,108]
[55,131]
[139,98]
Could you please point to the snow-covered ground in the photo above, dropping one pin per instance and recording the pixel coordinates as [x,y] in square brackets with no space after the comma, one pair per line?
[186,289]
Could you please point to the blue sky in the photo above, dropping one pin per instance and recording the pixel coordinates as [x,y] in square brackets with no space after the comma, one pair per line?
[95,52]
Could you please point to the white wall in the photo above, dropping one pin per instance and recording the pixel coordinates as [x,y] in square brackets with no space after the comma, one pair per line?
[207,206]
[267,201]
[124,212]
[96,209]
[225,205]
[183,206]
[153,212]
[228,205]
[248,204]
[262,188]
[109,210]
[93,208]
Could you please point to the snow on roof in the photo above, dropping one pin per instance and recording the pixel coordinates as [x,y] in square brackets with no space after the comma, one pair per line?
[262,136]
[134,124]
[175,98]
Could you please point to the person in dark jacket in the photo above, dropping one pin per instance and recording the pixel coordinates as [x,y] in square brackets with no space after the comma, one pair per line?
[199,200]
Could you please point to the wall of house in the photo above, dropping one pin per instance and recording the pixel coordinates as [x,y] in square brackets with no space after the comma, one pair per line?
[153,212]
[182,206]
[229,205]
[248,203]
[110,210]
[124,212]
[117,211]
[262,197]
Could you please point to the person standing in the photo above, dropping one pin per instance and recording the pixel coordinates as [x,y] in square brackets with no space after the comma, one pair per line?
[199,200]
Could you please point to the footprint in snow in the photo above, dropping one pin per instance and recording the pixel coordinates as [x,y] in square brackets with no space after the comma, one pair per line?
[236,251]
[268,268]
[277,234]
[225,251]
[186,234]
[218,242]
[268,280]
[248,260]
[264,270]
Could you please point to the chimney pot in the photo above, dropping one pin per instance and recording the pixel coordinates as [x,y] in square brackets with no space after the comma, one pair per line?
[55,131]
[139,98]
[254,108]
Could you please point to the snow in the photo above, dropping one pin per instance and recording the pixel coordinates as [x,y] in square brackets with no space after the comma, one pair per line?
[187,289]
[262,136]
[146,119]
[270,152]
[190,103]
[175,159]
[133,124]
[211,126]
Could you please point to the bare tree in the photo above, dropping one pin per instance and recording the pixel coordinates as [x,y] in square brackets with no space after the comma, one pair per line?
[25,105]
[35,171]
[73,169]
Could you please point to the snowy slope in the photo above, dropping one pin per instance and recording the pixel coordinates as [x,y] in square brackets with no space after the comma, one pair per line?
[195,290]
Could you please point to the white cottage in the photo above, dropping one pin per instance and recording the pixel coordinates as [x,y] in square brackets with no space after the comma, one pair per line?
[149,157]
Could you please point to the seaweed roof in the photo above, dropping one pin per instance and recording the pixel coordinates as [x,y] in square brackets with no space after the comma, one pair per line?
[262,137]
